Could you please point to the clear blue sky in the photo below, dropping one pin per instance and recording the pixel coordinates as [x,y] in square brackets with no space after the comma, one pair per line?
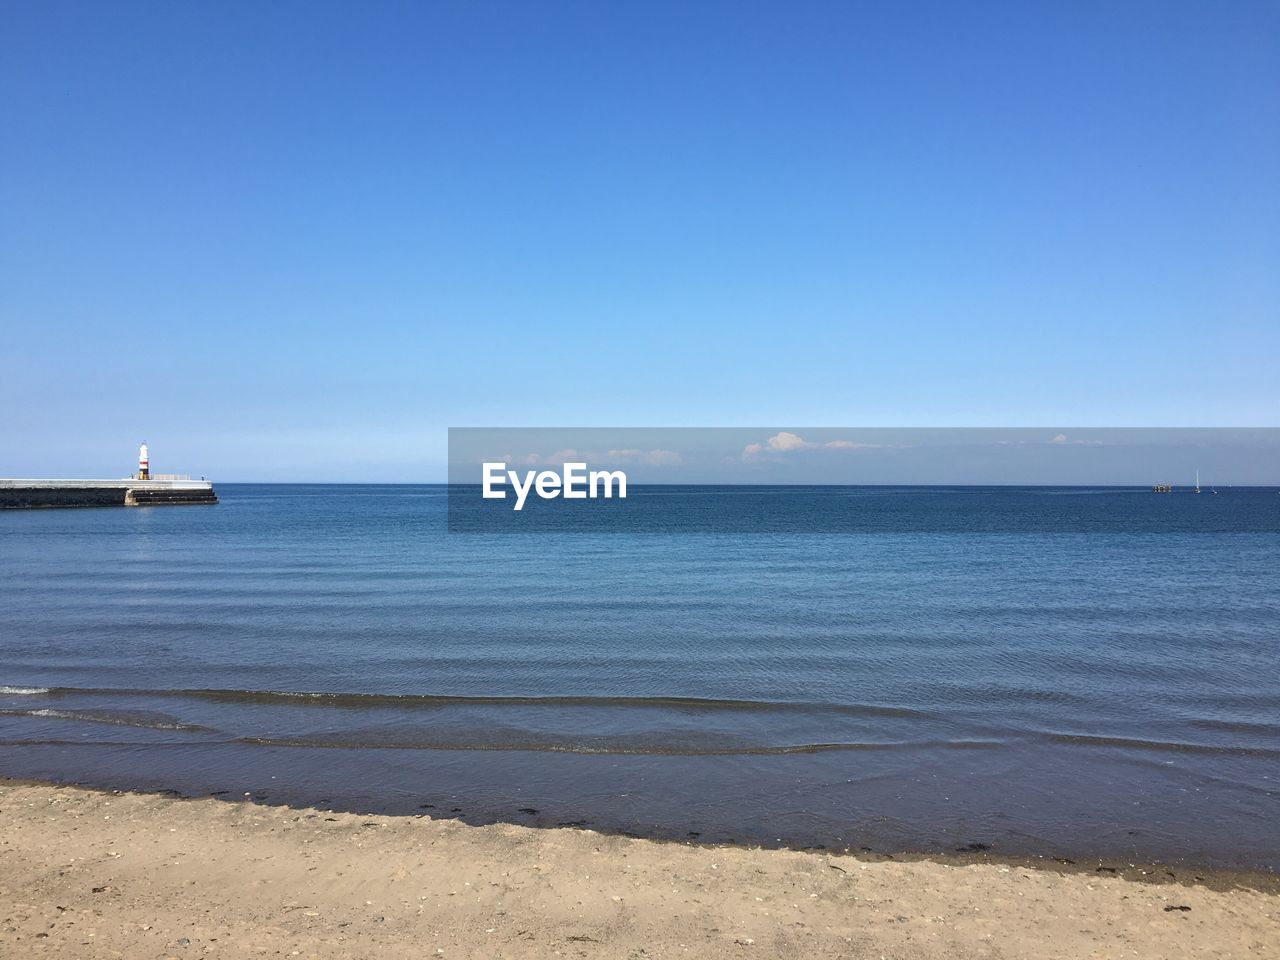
[299,240]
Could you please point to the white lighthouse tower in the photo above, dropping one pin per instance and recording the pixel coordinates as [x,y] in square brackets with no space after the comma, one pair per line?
[144,463]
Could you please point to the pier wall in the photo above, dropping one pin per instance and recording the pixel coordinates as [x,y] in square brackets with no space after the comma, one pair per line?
[32,494]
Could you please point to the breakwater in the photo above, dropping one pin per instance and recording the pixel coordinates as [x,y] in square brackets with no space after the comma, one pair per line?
[27,494]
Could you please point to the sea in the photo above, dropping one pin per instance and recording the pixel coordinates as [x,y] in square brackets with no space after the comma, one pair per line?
[1075,686]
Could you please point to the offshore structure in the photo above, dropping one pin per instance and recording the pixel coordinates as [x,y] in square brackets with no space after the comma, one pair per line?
[142,489]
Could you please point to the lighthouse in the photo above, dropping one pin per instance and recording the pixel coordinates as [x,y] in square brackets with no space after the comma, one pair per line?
[139,489]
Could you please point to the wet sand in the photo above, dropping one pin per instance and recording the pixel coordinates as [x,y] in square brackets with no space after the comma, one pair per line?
[91,874]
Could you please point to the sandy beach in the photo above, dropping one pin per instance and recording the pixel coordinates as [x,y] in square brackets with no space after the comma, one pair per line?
[92,874]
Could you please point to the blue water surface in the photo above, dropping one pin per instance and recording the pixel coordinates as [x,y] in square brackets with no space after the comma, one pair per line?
[1085,685]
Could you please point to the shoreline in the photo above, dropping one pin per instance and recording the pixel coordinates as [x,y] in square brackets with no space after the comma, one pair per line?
[90,873]
[1214,876]
[1093,822]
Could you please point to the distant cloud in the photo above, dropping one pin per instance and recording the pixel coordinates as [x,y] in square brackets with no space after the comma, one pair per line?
[540,460]
[652,458]
[789,441]
[1062,438]
[786,442]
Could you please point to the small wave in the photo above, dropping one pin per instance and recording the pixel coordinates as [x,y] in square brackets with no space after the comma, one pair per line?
[139,721]
[1172,746]
[352,700]
[24,691]
[605,748]
[1239,726]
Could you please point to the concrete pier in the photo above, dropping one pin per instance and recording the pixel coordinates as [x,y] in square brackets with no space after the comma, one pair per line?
[19,494]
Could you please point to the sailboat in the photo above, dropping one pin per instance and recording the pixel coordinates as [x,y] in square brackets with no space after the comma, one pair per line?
[1197,481]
